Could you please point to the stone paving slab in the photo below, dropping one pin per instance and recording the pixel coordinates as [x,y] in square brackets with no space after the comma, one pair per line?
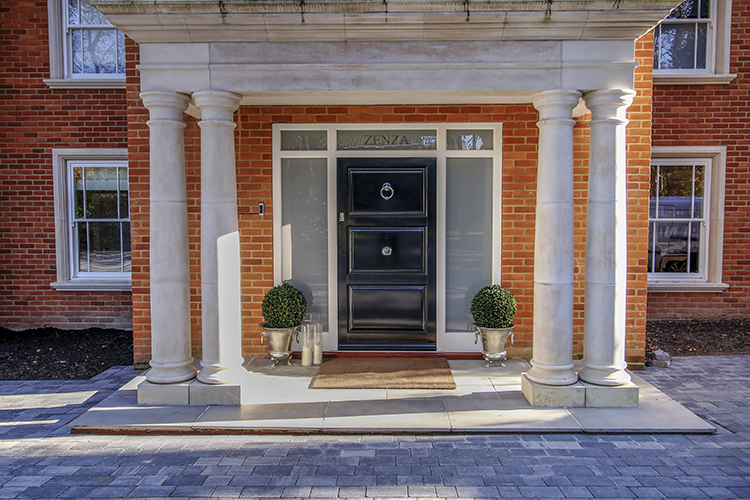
[40,459]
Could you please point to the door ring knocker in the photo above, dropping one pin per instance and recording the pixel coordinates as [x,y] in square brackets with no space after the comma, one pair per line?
[386,192]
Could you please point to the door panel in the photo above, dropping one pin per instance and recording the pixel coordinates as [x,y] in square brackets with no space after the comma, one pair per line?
[386,253]
[374,191]
[387,250]
[391,307]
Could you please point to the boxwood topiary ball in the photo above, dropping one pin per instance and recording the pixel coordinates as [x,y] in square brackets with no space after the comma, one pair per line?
[284,306]
[493,307]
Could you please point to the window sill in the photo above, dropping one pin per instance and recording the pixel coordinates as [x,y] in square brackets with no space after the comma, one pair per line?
[686,287]
[683,79]
[85,83]
[93,286]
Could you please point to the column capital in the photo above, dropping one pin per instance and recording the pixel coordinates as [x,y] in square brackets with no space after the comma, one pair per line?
[216,105]
[556,104]
[609,103]
[165,105]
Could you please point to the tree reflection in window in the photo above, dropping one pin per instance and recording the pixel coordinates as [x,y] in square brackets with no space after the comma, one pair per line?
[101,222]
[95,46]
[681,40]
[676,218]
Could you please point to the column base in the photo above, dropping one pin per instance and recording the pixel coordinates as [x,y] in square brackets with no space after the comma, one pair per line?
[606,377]
[171,373]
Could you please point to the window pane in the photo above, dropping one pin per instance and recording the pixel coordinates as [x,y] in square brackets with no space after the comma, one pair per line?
[78,194]
[126,246]
[304,241]
[675,192]
[304,140]
[700,56]
[469,140]
[699,188]
[671,246]
[104,247]
[653,186]
[83,246]
[101,192]
[695,232]
[399,140]
[76,37]
[686,10]
[95,51]
[676,46]
[468,241]
[73,14]
[122,173]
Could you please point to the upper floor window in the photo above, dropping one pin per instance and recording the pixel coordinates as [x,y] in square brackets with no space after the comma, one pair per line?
[94,45]
[85,49]
[691,45]
[681,41]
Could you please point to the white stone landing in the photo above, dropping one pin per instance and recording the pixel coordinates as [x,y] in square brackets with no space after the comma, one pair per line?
[486,400]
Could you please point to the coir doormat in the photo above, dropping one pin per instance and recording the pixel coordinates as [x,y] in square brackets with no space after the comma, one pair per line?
[384,373]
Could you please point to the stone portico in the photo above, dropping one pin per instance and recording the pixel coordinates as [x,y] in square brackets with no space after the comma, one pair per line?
[209,58]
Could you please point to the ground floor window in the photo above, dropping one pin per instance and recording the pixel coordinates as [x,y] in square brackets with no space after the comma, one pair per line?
[686,219]
[467,214]
[92,219]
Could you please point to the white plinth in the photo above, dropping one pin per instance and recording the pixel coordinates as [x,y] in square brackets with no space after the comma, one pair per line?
[553,396]
[579,395]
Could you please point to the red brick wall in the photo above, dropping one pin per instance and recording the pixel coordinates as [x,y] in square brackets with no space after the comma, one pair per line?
[254,174]
[715,115]
[33,120]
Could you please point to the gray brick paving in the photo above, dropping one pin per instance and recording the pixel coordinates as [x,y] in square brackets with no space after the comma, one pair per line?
[39,459]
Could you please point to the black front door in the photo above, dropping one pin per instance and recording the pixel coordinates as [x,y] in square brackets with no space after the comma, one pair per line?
[386,253]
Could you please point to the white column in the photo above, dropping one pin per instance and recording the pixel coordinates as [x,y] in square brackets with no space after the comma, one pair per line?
[606,240]
[168,235]
[220,243]
[552,361]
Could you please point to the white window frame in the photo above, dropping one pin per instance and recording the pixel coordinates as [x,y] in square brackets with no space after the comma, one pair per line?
[712,249]
[64,244]
[717,53]
[60,77]
[446,341]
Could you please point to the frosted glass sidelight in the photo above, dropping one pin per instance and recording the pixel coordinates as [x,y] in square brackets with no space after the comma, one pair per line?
[304,212]
[468,239]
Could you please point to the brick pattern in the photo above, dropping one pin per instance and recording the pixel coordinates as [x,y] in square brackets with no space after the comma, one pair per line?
[33,120]
[714,115]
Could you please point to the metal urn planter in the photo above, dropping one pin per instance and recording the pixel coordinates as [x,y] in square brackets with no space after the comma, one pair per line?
[494,341]
[493,309]
[284,308]
[279,342]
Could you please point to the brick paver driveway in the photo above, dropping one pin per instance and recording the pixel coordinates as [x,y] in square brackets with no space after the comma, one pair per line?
[39,459]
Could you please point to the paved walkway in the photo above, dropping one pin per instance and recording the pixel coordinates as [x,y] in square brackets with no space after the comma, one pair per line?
[39,459]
